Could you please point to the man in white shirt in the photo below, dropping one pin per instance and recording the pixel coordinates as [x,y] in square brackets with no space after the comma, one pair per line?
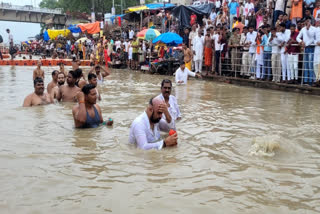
[218,4]
[283,37]
[247,7]
[217,46]
[278,10]
[118,44]
[131,34]
[182,74]
[213,15]
[10,38]
[198,47]
[274,42]
[145,129]
[317,54]
[307,37]
[251,42]
[171,102]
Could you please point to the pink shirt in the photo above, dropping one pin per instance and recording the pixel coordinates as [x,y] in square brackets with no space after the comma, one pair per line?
[259,20]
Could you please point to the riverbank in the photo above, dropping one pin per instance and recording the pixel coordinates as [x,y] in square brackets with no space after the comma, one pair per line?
[297,88]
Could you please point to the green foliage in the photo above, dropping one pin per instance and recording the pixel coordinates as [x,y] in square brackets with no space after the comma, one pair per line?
[100,6]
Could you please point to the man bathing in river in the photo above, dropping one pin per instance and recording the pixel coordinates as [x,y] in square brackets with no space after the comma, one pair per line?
[38,97]
[55,90]
[68,93]
[182,74]
[92,79]
[87,114]
[145,129]
[101,73]
[171,102]
[54,81]
[38,72]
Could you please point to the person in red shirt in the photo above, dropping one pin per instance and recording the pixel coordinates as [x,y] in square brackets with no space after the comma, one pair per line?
[293,50]
[193,19]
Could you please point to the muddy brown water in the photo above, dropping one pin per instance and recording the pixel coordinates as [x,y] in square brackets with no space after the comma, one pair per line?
[241,150]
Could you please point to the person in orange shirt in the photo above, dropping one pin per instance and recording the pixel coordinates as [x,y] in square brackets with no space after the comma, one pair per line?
[296,11]
[239,25]
[316,12]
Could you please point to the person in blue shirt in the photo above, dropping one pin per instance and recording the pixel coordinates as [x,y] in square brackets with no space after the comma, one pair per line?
[266,74]
[233,5]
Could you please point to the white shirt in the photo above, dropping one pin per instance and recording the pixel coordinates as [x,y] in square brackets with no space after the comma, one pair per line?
[317,48]
[10,38]
[198,43]
[192,34]
[243,40]
[142,134]
[174,110]
[213,16]
[247,8]
[217,45]
[279,5]
[308,36]
[131,34]
[126,45]
[218,4]
[275,44]
[183,75]
[117,44]
[251,37]
[283,37]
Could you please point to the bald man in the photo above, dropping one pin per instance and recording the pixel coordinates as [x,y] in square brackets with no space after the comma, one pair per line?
[145,129]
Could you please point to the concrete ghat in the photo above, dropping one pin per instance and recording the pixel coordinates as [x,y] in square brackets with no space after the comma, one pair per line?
[266,85]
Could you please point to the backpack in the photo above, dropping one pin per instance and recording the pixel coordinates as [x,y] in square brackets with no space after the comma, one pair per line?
[1,39]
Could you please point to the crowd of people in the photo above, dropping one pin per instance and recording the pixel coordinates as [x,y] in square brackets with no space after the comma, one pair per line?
[258,40]
[161,113]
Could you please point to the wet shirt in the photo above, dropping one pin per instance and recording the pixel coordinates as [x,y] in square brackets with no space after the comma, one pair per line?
[92,122]
[183,75]
[142,134]
[174,110]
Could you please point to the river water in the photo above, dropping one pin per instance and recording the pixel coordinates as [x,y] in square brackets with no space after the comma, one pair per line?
[241,150]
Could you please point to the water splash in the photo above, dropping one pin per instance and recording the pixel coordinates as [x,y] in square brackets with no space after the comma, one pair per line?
[264,146]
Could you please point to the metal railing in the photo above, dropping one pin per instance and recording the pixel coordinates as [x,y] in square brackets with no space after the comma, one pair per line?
[30,8]
[296,68]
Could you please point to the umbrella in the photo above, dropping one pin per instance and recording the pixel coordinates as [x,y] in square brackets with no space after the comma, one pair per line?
[148,34]
[170,39]
[82,40]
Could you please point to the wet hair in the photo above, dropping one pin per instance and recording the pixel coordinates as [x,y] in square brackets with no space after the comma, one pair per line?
[54,72]
[91,76]
[73,74]
[165,81]
[87,88]
[37,80]
[78,72]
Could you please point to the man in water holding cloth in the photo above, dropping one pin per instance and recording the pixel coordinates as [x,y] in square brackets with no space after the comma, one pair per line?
[87,114]
[145,129]
[171,102]
[38,97]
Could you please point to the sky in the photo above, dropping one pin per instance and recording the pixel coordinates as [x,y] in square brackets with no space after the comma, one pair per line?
[20,31]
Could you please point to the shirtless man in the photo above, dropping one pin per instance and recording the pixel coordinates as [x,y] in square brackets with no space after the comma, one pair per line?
[92,79]
[208,52]
[38,97]
[75,64]
[62,69]
[55,90]
[187,56]
[68,93]
[54,81]
[80,81]
[38,72]
[101,73]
